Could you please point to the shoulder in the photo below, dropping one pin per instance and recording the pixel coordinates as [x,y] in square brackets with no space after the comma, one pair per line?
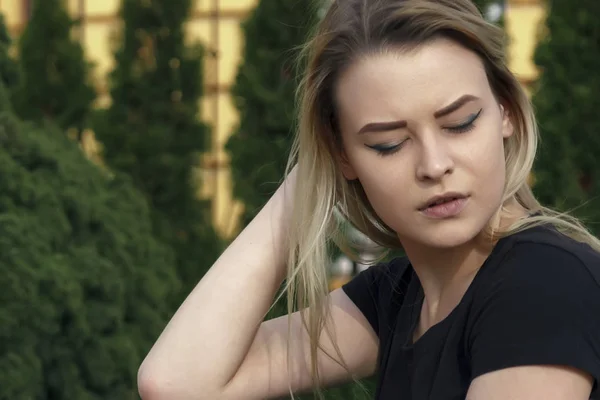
[541,271]
[542,257]
[375,290]
[545,273]
[380,278]
[394,269]
[538,304]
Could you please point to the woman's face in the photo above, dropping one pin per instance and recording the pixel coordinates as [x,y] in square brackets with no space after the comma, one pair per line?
[419,125]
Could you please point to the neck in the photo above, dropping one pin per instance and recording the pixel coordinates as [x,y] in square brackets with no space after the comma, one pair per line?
[445,274]
[442,271]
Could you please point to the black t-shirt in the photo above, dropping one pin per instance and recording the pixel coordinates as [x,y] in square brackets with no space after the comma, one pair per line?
[535,301]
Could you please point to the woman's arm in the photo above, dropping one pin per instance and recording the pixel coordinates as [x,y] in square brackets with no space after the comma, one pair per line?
[265,373]
[215,346]
[549,382]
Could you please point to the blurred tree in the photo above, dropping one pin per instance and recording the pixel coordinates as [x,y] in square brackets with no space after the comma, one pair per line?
[83,279]
[55,81]
[567,100]
[9,69]
[264,97]
[152,130]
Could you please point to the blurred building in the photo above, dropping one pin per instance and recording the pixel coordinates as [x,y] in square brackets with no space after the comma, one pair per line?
[216,23]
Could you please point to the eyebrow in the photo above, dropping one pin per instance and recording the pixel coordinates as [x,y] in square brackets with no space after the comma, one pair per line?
[393,125]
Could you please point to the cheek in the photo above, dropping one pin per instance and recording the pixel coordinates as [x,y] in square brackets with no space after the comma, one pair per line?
[387,186]
[489,167]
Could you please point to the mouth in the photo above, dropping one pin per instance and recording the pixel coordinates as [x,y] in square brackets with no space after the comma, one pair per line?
[442,199]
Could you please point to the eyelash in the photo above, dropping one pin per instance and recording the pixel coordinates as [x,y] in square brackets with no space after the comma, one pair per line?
[385,150]
[467,126]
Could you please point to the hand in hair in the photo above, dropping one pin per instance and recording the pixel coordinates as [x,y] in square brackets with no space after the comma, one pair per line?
[216,347]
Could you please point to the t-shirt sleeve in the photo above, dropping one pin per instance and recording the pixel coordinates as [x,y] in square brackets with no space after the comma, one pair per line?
[364,291]
[542,309]
[377,290]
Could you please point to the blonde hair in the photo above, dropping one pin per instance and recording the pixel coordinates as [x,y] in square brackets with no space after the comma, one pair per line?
[352,29]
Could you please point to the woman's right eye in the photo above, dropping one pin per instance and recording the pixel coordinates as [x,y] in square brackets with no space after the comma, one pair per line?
[385,149]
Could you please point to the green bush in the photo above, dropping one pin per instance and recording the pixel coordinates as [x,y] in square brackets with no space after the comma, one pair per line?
[83,278]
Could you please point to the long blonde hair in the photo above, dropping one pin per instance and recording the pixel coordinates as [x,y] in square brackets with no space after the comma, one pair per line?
[352,29]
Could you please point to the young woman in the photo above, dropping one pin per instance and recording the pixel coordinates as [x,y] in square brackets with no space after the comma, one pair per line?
[413,128]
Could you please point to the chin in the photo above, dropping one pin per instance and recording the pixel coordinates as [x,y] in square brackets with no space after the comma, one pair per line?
[446,234]
[450,240]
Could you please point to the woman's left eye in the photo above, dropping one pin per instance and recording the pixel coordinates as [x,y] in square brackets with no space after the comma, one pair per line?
[467,126]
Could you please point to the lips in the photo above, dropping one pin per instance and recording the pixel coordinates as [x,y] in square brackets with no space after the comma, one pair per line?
[441,199]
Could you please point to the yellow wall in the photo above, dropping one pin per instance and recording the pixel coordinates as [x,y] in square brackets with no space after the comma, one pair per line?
[12,11]
[523,20]
[216,24]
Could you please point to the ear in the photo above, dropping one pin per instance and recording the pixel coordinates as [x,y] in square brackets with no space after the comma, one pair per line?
[346,167]
[508,128]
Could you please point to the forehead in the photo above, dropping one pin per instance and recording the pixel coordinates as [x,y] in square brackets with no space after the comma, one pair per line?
[410,84]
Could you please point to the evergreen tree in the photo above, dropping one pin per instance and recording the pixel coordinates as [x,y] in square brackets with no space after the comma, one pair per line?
[83,278]
[55,84]
[264,97]
[152,130]
[567,99]
[9,70]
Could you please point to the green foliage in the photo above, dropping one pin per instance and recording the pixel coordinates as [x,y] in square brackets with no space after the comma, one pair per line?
[83,279]
[55,84]
[152,130]
[9,70]
[264,97]
[567,100]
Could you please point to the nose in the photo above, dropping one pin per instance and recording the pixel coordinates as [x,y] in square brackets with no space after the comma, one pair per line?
[434,161]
